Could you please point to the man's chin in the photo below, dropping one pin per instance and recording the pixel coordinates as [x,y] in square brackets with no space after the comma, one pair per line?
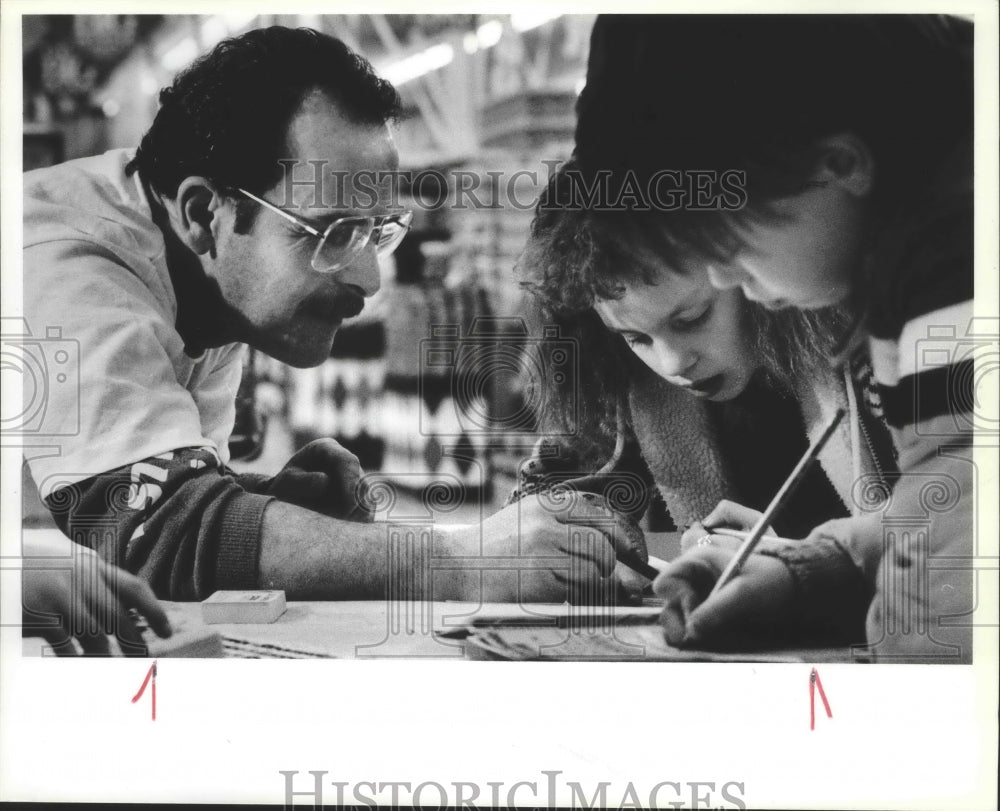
[310,360]
[303,355]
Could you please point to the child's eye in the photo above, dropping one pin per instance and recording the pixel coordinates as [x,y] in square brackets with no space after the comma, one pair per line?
[693,322]
[634,339]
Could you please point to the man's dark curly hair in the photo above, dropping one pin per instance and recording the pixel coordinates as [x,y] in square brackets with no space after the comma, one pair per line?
[226,116]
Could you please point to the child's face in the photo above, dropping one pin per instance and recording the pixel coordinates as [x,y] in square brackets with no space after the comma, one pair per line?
[806,259]
[806,256]
[687,331]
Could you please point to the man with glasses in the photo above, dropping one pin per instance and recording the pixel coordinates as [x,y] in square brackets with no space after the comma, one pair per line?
[162,265]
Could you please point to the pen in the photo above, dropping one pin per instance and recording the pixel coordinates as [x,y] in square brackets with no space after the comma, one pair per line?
[639,567]
[636,564]
[779,501]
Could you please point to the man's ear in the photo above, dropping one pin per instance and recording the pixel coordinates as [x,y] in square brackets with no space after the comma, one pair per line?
[197,207]
[845,161]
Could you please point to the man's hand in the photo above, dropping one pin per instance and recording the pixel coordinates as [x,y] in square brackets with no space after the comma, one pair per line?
[756,601]
[323,477]
[69,592]
[558,546]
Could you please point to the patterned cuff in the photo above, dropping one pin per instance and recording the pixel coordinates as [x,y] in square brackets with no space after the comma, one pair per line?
[831,595]
[238,557]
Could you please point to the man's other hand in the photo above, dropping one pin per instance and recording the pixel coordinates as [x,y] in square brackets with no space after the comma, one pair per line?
[323,477]
[70,593]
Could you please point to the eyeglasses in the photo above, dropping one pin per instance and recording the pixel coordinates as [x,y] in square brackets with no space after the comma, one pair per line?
[347,237]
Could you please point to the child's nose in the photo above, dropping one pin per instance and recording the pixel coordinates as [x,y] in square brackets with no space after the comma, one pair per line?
[673,361]
[724,277]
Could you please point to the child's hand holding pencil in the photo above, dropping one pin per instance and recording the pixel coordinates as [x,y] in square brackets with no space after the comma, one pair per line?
[716,596]
[751,607]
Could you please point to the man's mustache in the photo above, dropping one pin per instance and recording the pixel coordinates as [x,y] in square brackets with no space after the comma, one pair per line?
[343,304]
[347,305]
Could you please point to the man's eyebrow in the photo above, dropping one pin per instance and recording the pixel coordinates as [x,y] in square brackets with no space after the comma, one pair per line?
[322,220]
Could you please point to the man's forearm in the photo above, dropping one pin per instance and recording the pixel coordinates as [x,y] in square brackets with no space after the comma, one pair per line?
[188,531]
[313,557]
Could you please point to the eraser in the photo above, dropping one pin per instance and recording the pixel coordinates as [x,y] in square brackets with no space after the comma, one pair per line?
[243,607]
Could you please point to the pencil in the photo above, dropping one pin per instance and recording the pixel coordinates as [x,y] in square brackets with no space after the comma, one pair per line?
[750,543]
[729,532]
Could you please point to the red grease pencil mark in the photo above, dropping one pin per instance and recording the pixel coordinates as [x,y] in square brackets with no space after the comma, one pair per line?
[814,683]
[150,675]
